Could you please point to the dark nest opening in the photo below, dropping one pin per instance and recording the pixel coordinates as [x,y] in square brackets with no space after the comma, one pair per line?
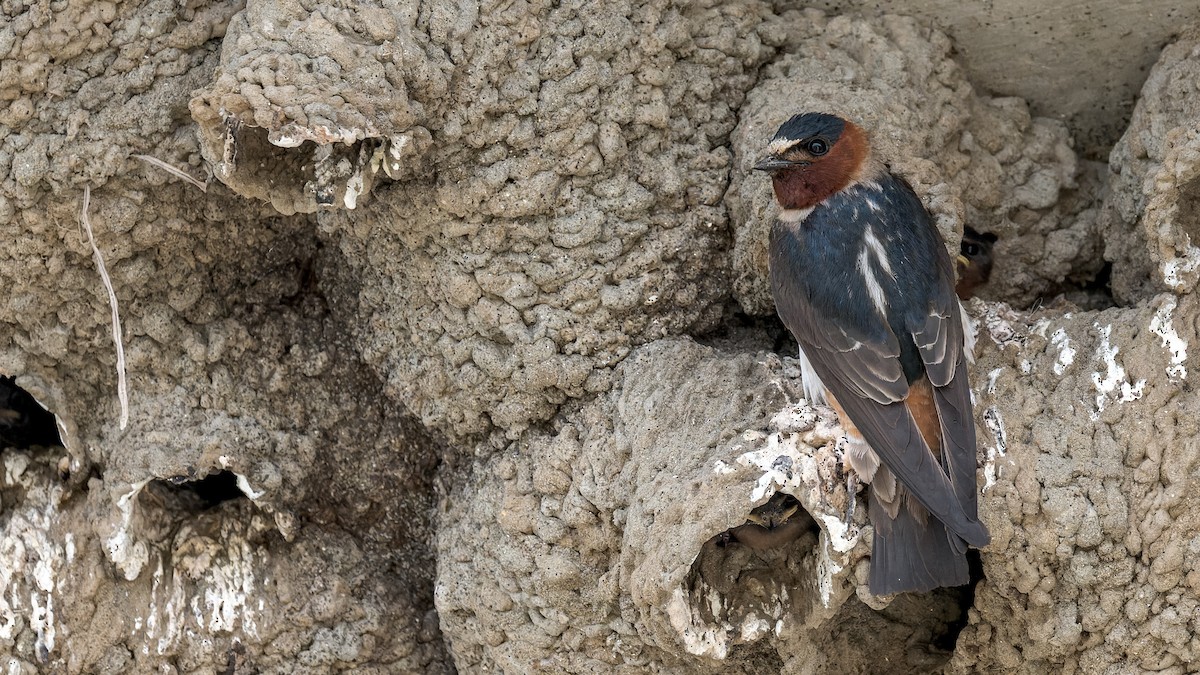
[197,494]
[24,423]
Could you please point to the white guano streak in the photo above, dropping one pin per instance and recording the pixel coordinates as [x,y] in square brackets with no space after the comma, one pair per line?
[1114,376]
[1162,326]
[1066,355]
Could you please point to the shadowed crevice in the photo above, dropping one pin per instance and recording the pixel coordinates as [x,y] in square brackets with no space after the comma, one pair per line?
[24,423]
[198,494]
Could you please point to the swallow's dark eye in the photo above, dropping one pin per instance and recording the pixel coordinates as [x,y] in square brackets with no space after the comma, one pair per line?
[816,147]
[970,249]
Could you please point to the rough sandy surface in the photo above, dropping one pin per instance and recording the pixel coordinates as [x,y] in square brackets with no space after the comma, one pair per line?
[1082,64]
[1086,494]
[460,320]
[1155,172]
[570,210]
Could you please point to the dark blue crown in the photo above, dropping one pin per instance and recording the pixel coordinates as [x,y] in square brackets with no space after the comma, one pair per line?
[807,125]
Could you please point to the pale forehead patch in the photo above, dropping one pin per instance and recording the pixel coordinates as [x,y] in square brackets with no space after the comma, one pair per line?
[779,145]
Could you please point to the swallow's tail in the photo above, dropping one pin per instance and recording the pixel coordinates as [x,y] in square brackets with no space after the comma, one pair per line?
[913,552]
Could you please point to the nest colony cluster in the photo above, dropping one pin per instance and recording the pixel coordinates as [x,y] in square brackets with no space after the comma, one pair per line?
[466,358]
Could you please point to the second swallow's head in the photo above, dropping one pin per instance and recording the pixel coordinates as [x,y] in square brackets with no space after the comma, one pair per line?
[812,157]
[974,261]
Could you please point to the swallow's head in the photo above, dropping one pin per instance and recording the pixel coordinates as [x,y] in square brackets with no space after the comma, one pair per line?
[775,512]
[812,157]
[975,261]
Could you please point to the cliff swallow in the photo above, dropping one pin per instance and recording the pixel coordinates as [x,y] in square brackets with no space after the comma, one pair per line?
[778,522]
[863,280]
[974,262]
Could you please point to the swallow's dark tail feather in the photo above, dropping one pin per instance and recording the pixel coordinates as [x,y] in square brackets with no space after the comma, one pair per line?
[909,555]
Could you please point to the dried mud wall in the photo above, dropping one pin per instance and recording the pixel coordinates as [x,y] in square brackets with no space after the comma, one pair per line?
[465,359]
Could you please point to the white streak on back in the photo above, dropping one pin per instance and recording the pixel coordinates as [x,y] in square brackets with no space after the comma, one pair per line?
[876,247]
[874,289]
[871,244]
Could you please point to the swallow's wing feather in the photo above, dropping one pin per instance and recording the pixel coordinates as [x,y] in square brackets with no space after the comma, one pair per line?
[868,366]
[939,339]
[939,333]
[953,403]
[891,431]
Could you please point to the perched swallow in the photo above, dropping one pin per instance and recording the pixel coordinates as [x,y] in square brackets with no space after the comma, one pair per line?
[974,262]
[863,280]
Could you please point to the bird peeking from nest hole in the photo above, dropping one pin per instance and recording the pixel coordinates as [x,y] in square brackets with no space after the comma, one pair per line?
[975,260]
[777,523]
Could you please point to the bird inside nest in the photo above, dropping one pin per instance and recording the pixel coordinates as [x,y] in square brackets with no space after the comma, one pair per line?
[974,262]
[779,522]
[862,279]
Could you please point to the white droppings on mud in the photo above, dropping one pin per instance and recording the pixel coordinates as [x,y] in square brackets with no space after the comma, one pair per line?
[788,465]
[227,588]
[842,537]
[794,418]
[292,135]
[1132,392]
[128,555]
[1173,269]
[244,485]
[172,631]
[1000,330]
[1066,354]
[30,558]
[41,619]
[838,535]
[699,637]
[395,152]
[283,140]
[354,187]
[754,627]
[1113,380]
[991,381]
[1162,326]
[990,470]
[722,469]
[995,424]
[208,588]
[778,455]
[766,460]
[14,468]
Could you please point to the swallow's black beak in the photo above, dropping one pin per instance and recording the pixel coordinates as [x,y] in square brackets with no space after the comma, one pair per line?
[773,163]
